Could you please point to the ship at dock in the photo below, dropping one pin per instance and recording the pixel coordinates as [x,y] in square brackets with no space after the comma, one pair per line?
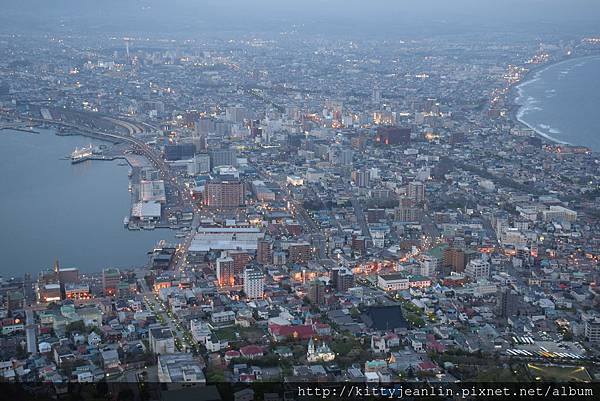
[82,154]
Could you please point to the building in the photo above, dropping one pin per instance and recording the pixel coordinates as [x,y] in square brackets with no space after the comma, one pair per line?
[240,259]
[454,258]
[225,271]
[392,136]
[49,292]
[342,279]
[408,211]
[384,318]
[294,180]
[361,178]
[111,278]
[254,283]
[223,239]
[224,318]
[428,265]
[147,211]
[264,252]
[68,275]
[262,192]
[316,292]
[509,303]
[222,157]
[224,194]
[236,114]
[416,191]
[401,281]
[299,252]
[200,164]
[153,191]
[322,353]
[592,330]
[182,151]
[392,282]
[200,330]
[161,341]
[559,214]
[180,370]
[477,268]
[77,291]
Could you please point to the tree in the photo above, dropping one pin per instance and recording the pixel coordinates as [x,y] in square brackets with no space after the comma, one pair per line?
[20,352]
[75,327]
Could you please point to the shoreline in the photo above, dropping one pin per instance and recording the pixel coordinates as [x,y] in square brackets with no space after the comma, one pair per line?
[516,107]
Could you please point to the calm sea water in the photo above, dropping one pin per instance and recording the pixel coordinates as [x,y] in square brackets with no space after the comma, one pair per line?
[562,102]
[52,209]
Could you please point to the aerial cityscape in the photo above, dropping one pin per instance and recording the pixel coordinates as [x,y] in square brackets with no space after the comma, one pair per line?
[281,204]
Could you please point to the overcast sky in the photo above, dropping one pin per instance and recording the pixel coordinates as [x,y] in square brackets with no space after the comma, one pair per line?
[321,16]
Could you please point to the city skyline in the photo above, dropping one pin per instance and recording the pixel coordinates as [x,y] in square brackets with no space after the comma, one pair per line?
[236,198]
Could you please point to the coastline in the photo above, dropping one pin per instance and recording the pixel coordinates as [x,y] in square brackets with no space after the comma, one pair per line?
[515,101]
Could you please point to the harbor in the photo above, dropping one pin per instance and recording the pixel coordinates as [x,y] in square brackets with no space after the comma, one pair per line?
[83,196]
[153,201]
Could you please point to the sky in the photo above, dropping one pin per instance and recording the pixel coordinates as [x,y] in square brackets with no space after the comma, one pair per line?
[317,16]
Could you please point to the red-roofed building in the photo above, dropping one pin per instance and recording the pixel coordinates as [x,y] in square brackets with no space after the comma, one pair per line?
[428,366]
[252,351]
[229,355]
[435,345]
[297,332]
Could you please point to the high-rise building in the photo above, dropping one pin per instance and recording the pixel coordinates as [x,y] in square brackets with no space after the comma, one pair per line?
[509,303]
[225,271]
[342,279]
[361,178]
[376,95]
[592,330]
[264,252]
[454,259]
[359,243]
[477,268]
[240,260]
[416,191]
[316,292]
[408,211]
[111,277]
[254,283]
[224,194]
[299,252]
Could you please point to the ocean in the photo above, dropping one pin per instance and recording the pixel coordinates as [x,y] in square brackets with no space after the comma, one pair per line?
[562,102]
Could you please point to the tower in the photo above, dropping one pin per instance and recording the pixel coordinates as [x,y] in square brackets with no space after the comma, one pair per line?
[127,40]
[311,347]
